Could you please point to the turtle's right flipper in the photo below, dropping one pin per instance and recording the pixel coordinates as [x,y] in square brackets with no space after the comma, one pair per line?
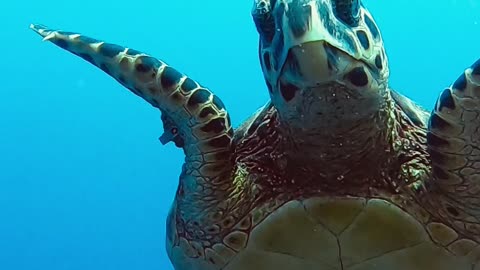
[454,145]
[194,118]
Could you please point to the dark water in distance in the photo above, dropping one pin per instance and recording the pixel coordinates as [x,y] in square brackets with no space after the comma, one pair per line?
[84,183]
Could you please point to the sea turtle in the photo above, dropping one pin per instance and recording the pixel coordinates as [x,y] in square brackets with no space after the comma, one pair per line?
[336,171]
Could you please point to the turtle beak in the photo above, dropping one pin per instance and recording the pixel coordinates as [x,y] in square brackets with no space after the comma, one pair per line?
[311,64]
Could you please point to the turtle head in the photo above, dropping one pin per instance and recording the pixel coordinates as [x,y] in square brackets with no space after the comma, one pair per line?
[323,61]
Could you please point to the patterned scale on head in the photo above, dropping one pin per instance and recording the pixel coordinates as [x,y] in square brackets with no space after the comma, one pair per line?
[337,171]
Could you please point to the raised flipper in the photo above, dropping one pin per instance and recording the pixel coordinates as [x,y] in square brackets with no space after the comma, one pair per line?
[193,117]
[454,146]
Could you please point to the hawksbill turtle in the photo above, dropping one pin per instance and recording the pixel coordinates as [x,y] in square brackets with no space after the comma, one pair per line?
[336,171]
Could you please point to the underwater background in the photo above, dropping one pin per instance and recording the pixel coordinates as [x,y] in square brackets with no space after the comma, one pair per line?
[84,181]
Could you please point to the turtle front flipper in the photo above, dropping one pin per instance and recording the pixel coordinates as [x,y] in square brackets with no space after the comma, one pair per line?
[454,145]
[193,117]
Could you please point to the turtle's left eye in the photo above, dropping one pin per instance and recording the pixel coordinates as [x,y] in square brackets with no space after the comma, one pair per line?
[174,131]
[347,11]
[264,21]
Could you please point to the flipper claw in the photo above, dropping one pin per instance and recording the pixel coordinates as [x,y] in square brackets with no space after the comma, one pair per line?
[42,31]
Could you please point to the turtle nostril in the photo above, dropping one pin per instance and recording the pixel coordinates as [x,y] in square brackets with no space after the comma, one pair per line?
[288,91]
[358,77]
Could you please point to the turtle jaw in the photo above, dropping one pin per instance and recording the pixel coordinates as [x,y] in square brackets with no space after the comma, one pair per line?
[332,107]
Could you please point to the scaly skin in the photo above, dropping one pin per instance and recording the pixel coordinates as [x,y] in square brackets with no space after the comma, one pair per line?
[454,148]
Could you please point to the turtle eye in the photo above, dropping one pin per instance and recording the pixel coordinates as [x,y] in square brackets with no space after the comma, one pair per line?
[264,21]
[347,11]
[174,131]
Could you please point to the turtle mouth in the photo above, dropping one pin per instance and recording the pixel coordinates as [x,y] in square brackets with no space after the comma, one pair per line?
[331,106]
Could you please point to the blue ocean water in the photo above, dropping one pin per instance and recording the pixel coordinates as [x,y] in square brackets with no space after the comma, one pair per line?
[84,182]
